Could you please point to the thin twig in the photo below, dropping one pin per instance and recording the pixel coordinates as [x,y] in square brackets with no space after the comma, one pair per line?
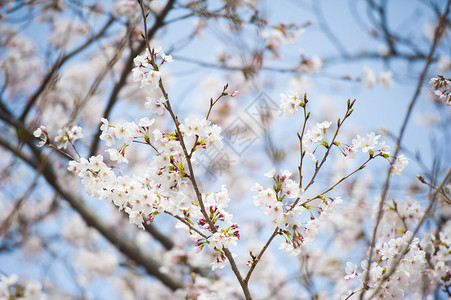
[339,181]
[57,65]
[441,191]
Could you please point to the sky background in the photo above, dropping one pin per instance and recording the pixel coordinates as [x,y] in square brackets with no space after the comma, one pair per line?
[191,86]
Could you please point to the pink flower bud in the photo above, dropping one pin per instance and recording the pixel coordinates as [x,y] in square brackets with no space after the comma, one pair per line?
[234,93]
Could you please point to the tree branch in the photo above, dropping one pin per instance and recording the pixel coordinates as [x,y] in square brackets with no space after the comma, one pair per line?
[123,245]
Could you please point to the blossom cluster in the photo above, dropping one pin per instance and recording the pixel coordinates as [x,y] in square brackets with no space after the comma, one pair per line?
[428,258]
[400,216]
[290,103]
[126,131]
[155,106]
[442,88]
[285,213]
[65,136]
[316,137]
[438,247]
[408,272]
[165,187]
[147,69]
[11,288]
[215,204]
[201,133]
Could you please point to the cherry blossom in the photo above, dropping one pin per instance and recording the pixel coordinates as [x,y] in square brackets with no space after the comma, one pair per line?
[289,103]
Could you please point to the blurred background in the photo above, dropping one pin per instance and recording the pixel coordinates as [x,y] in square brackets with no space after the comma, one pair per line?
[67,63]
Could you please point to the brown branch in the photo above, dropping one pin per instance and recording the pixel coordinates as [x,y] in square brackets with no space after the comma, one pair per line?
[102,74]
[8,220]
[125,246]
[199,195]
[381,10]
[167,243]
[57,65]
[300,137]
